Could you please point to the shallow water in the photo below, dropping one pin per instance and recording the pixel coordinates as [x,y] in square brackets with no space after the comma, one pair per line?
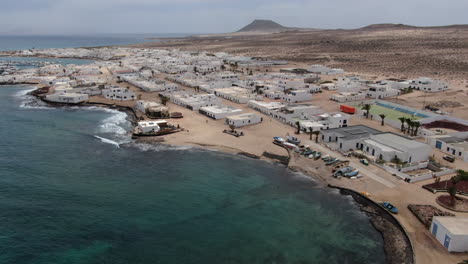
[74,188]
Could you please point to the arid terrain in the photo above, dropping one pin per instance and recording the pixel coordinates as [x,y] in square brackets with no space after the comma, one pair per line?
[386,49]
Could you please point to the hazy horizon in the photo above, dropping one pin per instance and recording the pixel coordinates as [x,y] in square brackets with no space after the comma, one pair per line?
[87,17]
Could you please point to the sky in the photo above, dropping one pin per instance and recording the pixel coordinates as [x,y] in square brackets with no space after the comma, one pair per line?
[71,17]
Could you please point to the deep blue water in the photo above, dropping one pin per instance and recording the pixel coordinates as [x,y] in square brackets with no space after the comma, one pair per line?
[43,42]
[68,196]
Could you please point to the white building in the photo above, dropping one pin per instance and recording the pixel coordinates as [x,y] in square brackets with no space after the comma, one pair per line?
[428,85]
[321,69]
[455,146]
[244,119]
[297,96]
[118,93]
[268,108]
[381,91]
[451,232]
[387,146]
[348,138]
[143,105]
[348,97]
[219,112]
[193,101]
[235,94]
[67,98]
[150,126]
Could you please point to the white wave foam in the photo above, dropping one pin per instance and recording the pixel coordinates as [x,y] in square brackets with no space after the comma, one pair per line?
[108,141]
[114,124]
[159,147]
[29,101]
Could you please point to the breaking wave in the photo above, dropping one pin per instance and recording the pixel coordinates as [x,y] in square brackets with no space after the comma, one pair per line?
[159,147]
[29,101]
[108,141]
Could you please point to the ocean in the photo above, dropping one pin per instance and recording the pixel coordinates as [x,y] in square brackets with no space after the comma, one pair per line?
[75,188]
[44,42]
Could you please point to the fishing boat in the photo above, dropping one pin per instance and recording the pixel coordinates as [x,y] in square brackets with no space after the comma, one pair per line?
[390,207]
[351,174]
[343,171]
[293,140]
[279,140]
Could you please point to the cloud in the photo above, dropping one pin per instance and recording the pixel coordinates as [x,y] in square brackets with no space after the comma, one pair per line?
[205,16]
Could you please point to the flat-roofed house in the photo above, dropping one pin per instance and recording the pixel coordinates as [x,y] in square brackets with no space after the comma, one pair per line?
[451,232]
[348,138]
[455,146]
[67,98]
[387,146]
[219,112]
[245,119]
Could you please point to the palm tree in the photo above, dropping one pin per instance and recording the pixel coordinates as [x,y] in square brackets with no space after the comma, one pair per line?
[298,124]
[452,191]
[416,125]
[409,122]
[402,120]
[317,133]
[311,132]
[382,116]
[367,107]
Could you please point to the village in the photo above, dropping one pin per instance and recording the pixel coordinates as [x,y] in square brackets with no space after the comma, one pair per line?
[345,129]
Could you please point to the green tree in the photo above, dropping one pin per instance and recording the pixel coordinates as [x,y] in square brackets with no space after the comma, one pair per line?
[409,123]
[298,124]
[416,125]
[317,133]
[367,108]
[164,100]
[382,117]
[452,191]
[402,120]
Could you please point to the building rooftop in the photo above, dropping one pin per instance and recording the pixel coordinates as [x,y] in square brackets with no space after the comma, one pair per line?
[396,140]
[455,225]
[241,116]
[354,132]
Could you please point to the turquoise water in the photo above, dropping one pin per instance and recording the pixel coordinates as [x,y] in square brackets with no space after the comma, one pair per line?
[70,194]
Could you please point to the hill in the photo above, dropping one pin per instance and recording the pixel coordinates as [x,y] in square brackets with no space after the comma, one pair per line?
[259,25]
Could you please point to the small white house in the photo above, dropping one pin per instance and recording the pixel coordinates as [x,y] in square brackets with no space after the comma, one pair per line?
[151,126]
[451,232]
[381,91]
[297,96]
[244,119]
[428,85]
[118,93]
[219,112]
[455,146]
[348,97]
[67,98]
[143,105]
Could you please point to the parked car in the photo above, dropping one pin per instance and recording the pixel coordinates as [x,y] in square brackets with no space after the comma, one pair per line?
[449,158]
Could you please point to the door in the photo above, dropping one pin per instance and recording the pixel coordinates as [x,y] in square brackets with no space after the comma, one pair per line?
[438,145]
[447,241]
[434,229]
